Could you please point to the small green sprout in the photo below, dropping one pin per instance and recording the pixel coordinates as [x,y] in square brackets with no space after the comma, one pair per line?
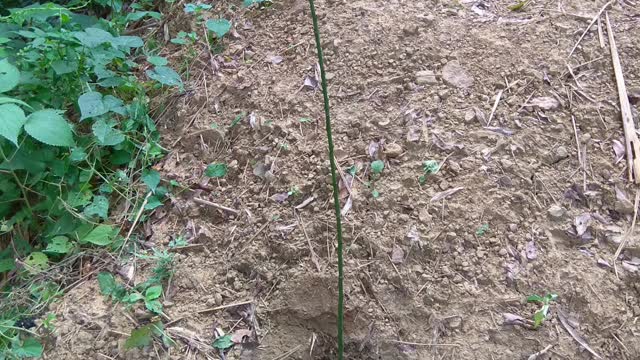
[541,315]
[295,191]
[304,120]
[377,167]
[482,229]
[429,167]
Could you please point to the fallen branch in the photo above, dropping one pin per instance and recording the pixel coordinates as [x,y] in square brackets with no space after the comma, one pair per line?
[217,206]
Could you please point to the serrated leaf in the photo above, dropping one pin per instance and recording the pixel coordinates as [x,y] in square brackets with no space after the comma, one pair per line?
[151,178]
[107,283]
[155,306]
[106,134]
[91,105]
[59,245]
[99,207]
[101,235]
[114,104]
[165,76]
[223,342]
[9,76]
[220,27]
[157,60]
[30,348]
[216,170]
[153,292]
[139,338]
[37,262]
[377,166]
[48,126]
[12,120]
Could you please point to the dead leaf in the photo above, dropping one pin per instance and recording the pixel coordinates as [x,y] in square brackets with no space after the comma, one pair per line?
[500,130]
[373,150]
[513,319]
[565,322]
[239,335]
[347,207]
[445,194]
[413,235]
[397,255]
[275,59]
[260,169]
[281,197]
[310,82]
[253,121]
[582,222]
[545,103]
[440,144]
[619,150]
[603,263]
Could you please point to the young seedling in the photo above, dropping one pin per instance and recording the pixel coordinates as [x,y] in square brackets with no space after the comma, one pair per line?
[376,170]
[482,229]
[429,167]
[541,315]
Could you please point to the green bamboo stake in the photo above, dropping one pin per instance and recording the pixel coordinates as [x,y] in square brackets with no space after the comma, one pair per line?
[334,181]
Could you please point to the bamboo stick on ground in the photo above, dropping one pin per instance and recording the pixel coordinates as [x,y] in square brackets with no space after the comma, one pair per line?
[631,138]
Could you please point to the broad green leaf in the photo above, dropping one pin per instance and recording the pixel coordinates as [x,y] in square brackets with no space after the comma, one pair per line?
[154,306]
[377,166]
[7,265]
[132,298]
[106,134]
[9,76]
[62,67]
[216,170]
[223,342]
[152,203]
[111,82]
[535,298]
[220,27]
[178,41]
[165,76]
[59,245]
[77,154]
[30,348]
[8,100]
[375,194]
[99,207]
[550,297]
[48,126]
[538,318]
[92,37]
[107,283]
[482,229]
[138,15]
[128,41]
[12,119]
[139,338]
[157,60]
[101,235]
[151,178]
[37,262]
[153,292]
[91,105]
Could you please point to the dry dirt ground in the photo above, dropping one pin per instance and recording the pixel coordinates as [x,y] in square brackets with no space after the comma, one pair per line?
[438,270]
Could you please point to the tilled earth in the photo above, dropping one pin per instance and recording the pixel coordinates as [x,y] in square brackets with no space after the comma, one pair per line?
[531,196]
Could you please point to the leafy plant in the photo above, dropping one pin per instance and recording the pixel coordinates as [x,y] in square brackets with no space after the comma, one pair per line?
[261,3]
[184,38]
[377,167]
[541,315]
[429,167]
[520,5]
[216,170]
[219,27]
[191,8]
[482,229]
[295,191]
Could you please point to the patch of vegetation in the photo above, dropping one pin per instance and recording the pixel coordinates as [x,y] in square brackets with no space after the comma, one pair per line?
[482,229]
[545,304]
[429,167]
[76,141]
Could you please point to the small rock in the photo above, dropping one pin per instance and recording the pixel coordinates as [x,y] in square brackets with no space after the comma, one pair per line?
[480,254]
[469,115]
[545,103]
[556,211]
[426,77]
[561,153]
[513,227]
[454,322]
[397,255]
[410,29]
[503,252]
[455,75]
[458,279]
[636,310]
[392,150]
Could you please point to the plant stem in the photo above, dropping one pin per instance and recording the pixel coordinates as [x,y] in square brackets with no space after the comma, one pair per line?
[334,182]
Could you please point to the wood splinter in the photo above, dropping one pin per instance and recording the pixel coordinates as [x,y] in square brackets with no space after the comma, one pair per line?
[631,138]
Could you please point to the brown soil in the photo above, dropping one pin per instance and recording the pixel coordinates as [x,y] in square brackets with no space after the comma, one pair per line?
[422,278]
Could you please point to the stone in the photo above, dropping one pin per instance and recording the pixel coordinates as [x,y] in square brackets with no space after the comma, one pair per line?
[469,115]
[454,322]
[410,29]
[392,150]
[561,153]
[455,75]
[556,211]
[426,77]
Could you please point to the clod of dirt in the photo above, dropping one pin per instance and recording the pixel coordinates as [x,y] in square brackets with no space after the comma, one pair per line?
[582,223]
[397,255]
[531,251]
[469,116]
[619,150]
[410,30]
[561,153]
[426,77]
[392,150]
[556,212]
[455,75]
[545,103]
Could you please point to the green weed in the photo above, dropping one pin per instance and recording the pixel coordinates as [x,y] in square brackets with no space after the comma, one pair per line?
[429,167]
[541,315]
